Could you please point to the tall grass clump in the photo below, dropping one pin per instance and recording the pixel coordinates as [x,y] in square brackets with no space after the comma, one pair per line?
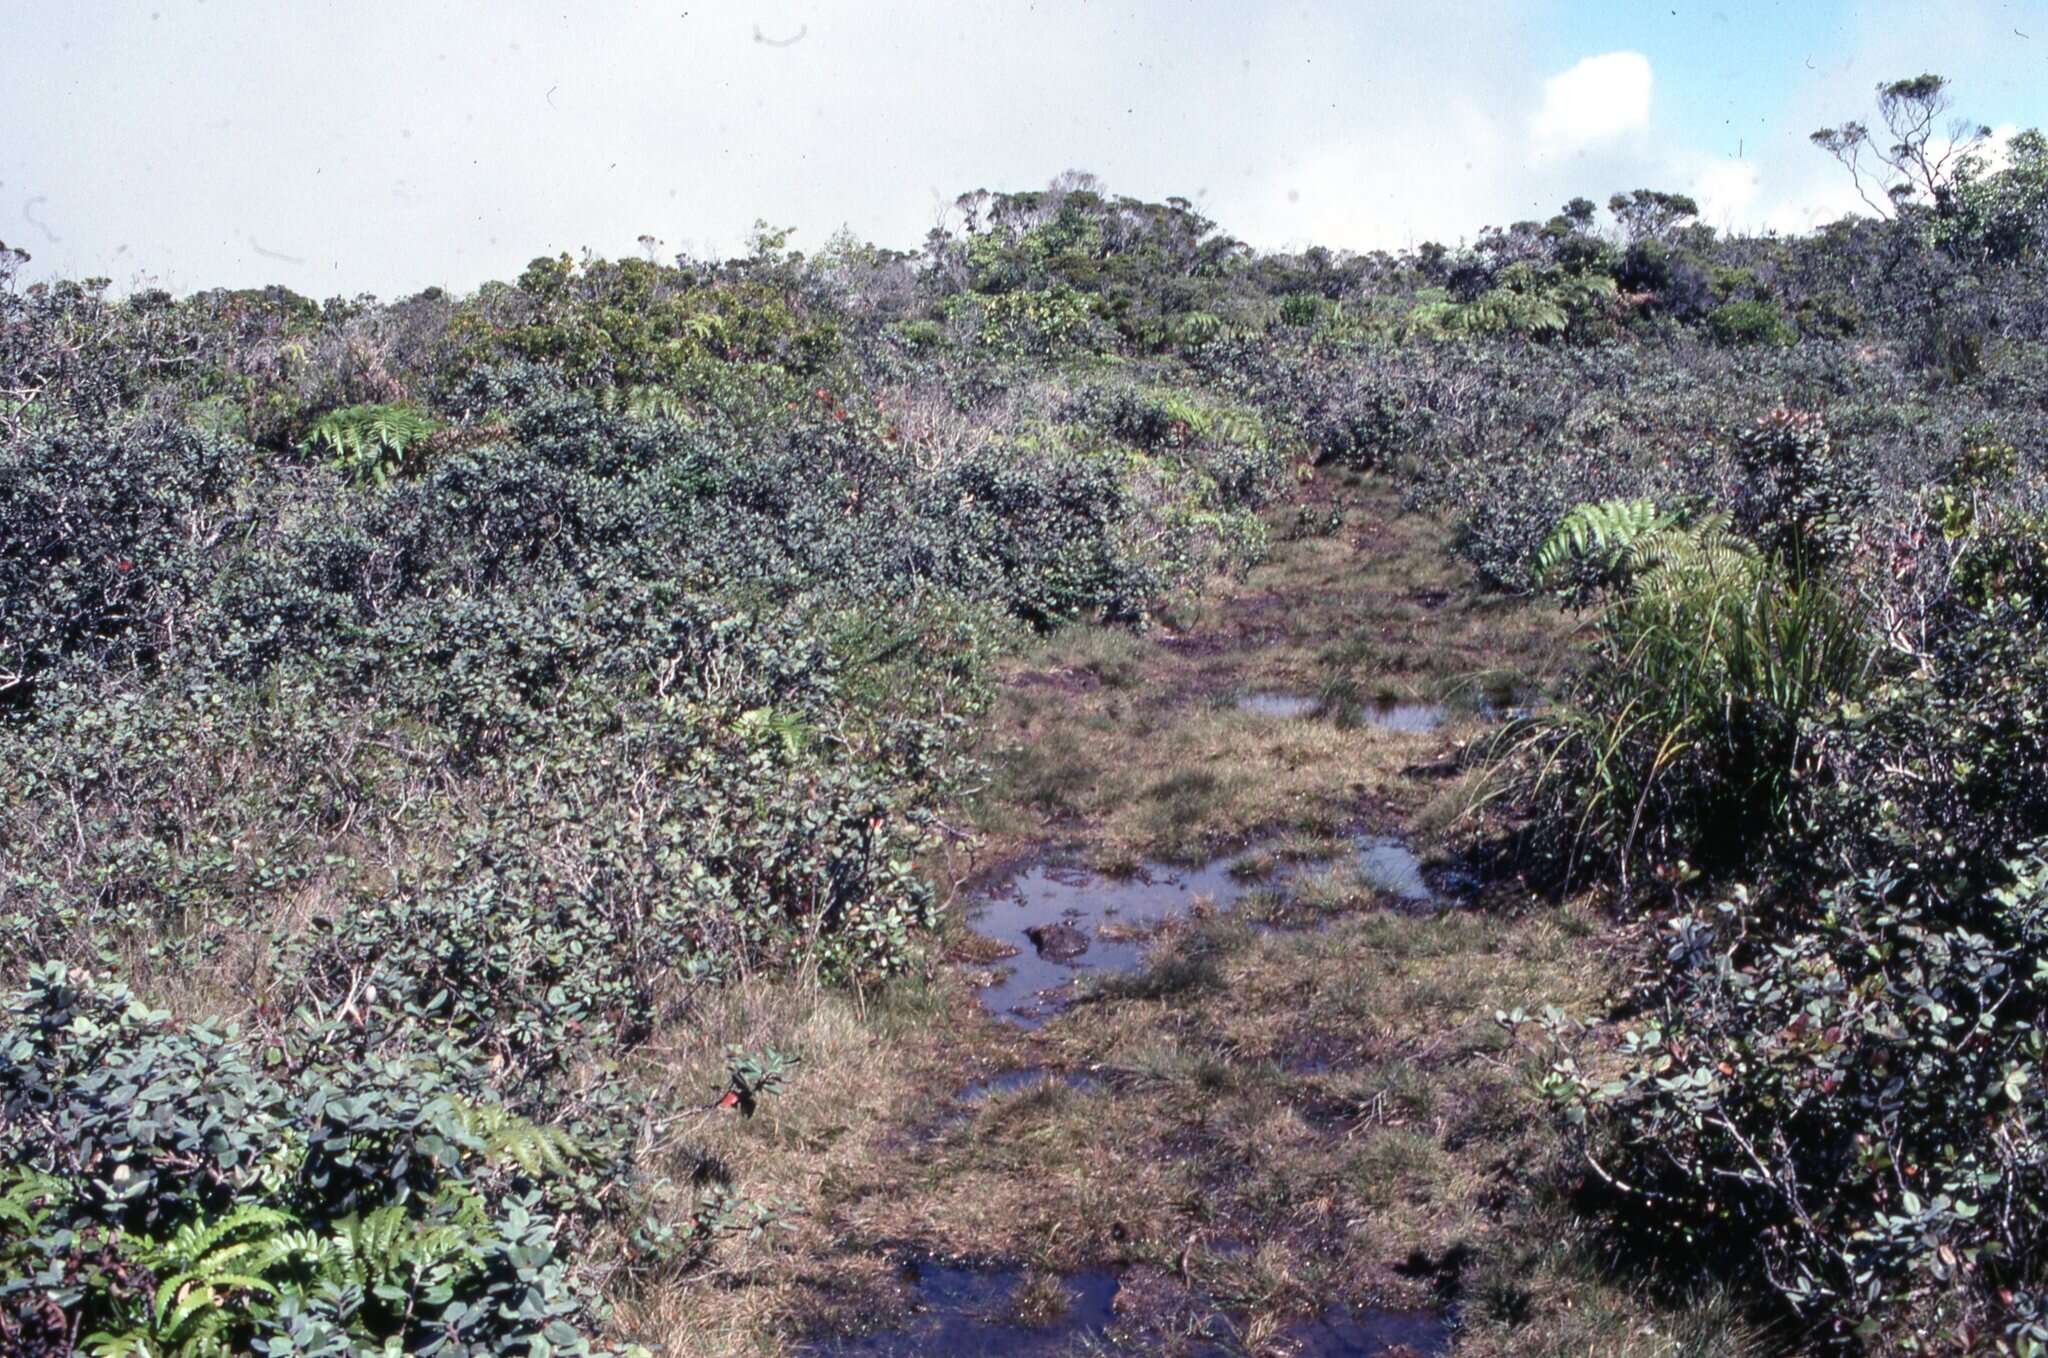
[1685,735]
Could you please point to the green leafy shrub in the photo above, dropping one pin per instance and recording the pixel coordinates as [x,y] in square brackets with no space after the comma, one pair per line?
[1686,733]
[627,323]
[1799,495]
[1850,1091]
[923,335]
[1306,309]
[177,1190]
[1060,322]
[1748,322]
[97,544]
[1947,760]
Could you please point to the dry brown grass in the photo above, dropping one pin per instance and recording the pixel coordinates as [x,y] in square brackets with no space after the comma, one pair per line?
[867,1062]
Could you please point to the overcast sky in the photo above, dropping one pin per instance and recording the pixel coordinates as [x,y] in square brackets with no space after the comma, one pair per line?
[348,147]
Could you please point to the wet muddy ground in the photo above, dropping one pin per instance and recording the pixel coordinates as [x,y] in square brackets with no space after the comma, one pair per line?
[962,1312]
[1388,714]
[1062,925]
[1166,1102]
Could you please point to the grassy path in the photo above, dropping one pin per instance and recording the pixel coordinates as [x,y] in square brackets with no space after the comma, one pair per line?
[1266,1136]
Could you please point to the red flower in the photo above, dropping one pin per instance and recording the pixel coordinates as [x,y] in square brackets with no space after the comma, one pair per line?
[124,565]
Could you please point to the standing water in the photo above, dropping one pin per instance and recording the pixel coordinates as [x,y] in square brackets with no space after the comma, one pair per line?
[1068,922]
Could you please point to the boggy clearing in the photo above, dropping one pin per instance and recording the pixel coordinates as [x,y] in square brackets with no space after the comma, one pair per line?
[1269,1110]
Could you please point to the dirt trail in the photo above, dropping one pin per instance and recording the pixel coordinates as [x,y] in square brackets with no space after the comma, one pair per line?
[1266,1108]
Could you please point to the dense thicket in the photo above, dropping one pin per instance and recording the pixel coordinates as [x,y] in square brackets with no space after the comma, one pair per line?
[473,678]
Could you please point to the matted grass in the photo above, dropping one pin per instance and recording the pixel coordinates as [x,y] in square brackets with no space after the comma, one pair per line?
[1271,1120]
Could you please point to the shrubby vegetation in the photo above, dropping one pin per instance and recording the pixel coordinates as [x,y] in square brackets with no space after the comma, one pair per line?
[1810,712]
[477,679]
[182,1190]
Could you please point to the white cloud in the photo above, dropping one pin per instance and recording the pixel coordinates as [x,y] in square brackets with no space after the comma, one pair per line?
[1727,191]
[1996,152]
[1812,200]
[1359,192]
[1598,100]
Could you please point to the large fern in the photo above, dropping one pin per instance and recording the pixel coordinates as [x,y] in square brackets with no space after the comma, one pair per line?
[368,442]
[500,1136]
[648,401]
[393,1256]
[1522,302]
[1595,540]
[207,1271]
[1620,546]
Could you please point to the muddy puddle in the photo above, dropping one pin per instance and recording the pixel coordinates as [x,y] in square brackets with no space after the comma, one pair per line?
[975,1313]
[1068,923]
[1285,705]
[1408,718]
[1501,714]
[1001,1313]
[1388,865]
[1342,1330]
[1017,1081]
[1384,715]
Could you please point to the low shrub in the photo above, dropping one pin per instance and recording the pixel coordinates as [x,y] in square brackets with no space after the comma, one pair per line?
[1850,1092]
[101,543]
[1947,760]
[1749,322]
[182,1191]
[1798,494]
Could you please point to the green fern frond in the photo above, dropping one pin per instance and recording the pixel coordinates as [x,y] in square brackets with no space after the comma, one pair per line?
[705,327]
[501,1135]
[199,1311]
[388,1249]
[28,1196]
[1196,328]
[368,442]
[126,1344]
[1704,556]
[786,727]
[648,402]
[1596,538]
[373,1241]
[196,1239]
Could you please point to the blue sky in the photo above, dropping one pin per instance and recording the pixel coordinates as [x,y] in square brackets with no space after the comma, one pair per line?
[342,147]
[1747,71]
